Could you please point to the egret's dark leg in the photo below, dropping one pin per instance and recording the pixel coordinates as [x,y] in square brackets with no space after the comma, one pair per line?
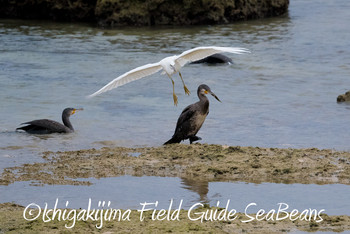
[174,95]
[194,138]
[185,88]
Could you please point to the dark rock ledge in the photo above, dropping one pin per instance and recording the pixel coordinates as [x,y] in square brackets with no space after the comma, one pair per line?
[143,12]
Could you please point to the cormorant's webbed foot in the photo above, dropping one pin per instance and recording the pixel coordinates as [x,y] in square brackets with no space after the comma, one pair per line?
[194,138]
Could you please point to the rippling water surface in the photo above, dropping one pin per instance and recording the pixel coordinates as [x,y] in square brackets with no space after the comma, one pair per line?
[283,94]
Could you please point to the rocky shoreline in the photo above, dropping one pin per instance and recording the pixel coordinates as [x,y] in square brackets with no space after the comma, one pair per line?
[143,13]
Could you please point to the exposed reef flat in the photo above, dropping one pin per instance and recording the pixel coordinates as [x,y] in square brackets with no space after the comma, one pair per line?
[196,161]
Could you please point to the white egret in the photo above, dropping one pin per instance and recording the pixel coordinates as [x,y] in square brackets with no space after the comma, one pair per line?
[169,65]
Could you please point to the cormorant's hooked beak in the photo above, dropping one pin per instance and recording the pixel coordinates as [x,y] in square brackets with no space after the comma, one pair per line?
[213,94]
[75,110]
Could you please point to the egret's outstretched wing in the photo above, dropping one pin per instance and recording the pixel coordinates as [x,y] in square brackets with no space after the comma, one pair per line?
[203,52]
[129,76]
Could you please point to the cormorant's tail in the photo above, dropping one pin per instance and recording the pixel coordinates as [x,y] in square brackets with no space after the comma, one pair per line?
[173,140]
[25,128]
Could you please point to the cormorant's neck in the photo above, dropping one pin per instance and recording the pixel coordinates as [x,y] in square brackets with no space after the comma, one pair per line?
[66,122]
[204,102]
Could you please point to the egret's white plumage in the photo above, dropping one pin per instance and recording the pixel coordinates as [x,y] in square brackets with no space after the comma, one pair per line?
[169,65]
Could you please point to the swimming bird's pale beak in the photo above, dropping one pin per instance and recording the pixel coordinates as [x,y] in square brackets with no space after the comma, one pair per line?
[213,94]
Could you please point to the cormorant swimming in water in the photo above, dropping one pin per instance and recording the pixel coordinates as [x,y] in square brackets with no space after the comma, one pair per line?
[192,117]
[47,126]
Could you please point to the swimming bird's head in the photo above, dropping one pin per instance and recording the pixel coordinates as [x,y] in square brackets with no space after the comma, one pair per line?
[204,89]
[70,111]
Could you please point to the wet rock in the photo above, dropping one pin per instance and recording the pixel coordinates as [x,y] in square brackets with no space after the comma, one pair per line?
[190,12]
[214,59]
[60,10]
[148,12]
[344,97]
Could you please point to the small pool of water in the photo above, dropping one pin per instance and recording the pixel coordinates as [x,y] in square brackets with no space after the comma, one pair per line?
[127,192]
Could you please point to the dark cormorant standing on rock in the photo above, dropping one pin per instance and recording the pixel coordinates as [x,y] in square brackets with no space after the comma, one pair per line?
[47,126]
[192,117]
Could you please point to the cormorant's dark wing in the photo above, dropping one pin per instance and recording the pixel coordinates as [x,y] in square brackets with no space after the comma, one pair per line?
[182,125]
[41,126]
[186,114]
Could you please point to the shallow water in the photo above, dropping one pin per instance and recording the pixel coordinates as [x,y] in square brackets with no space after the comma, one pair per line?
[283,94]
[127,192]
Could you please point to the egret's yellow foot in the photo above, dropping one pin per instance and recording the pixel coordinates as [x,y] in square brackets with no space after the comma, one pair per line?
[174,95]
[186,90]
[175,99]
[183,82]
